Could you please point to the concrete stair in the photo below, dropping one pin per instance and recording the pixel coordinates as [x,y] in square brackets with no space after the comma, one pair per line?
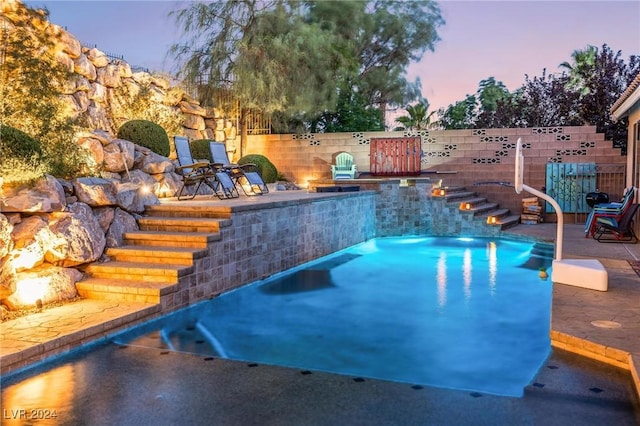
[480,208]
[151,262]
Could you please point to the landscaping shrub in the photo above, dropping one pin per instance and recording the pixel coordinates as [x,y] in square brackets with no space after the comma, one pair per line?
[266,168]
[16,143]
[21,155]
[146,133]
[200,149]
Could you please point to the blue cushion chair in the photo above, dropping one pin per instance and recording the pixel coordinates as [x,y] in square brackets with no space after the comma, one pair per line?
[245,175]
[608,210]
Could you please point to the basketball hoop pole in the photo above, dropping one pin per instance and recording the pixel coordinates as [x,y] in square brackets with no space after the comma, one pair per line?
[586,273]
[520,186]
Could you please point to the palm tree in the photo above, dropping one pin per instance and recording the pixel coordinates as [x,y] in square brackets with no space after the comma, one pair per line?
[417,118]
[583,65]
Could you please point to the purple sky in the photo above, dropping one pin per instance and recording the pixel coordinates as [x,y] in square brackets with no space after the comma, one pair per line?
[503,39]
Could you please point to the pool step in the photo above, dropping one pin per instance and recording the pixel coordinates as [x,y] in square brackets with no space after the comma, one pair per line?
[458,196]
[128,290]
[470,205]
[479,207]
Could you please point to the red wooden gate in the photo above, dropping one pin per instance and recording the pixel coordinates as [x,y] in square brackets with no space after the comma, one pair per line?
[395,156]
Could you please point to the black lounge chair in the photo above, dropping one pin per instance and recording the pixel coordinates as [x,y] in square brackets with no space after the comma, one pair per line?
[199,172]
[245,175]
[611,231]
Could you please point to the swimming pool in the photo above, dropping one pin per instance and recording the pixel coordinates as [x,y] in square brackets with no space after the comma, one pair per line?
[459,313]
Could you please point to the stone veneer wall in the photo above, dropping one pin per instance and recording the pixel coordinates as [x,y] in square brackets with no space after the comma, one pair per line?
[266,239]
[460,157]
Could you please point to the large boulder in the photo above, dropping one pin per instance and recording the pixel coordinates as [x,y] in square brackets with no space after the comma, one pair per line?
[93,147]
[46,196]
[109,76]
[151,163]
[95,191]
[8,278]
[133,197]
[84,67]
[78,237]
[31,238]
[104,215]
[6,243]
[42,285]
[97,57]
[119,155]
[122,222]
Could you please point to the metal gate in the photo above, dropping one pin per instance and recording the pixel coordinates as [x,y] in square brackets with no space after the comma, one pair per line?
[396,156]
[569,183]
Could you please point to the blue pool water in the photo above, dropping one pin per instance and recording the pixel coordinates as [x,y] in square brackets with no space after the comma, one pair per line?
[460,313]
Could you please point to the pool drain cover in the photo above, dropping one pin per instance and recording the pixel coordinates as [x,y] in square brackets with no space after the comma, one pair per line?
[606,324]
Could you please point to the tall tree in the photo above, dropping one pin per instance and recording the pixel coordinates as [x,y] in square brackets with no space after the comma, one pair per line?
[262,53]
[580,68]
[418,117]
[493,101]
[384,37]
[604,82]
[545,102]
[461,115]
[352,114]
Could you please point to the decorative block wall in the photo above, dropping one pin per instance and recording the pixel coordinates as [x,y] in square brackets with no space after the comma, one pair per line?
[478,159]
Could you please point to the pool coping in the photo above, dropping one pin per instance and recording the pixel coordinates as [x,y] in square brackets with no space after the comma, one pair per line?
[606,354]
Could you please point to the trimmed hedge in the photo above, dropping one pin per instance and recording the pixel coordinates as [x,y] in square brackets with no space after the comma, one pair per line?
[200,149]
[146,133]
[265,167]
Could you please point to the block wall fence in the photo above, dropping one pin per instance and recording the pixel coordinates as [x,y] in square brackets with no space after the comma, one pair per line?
[474,158]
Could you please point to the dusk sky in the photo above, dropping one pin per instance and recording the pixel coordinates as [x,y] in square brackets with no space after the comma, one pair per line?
[481,39]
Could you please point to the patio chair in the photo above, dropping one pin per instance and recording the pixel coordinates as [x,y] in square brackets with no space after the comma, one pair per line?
[245,175]
[608,210]
[609,230]
[344,168]
[192,172]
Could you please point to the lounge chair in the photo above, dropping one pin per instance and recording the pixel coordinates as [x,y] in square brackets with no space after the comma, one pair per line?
[344,168]
[198,172]
[192,172]
[609,230]
[608,210]
[245,175]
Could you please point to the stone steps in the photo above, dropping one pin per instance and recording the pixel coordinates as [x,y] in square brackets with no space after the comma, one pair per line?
[480,208]
[152,261]
[171,239]
[182,224]
[189,211]
[156,254]
[138,271]
[127,290]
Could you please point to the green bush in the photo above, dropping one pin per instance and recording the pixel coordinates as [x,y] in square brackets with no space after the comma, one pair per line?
[200,149]
[15,143]
[146,133]
[22,160]
[266,168]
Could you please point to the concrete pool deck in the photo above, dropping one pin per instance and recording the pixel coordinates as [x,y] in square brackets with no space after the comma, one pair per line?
[284,399]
